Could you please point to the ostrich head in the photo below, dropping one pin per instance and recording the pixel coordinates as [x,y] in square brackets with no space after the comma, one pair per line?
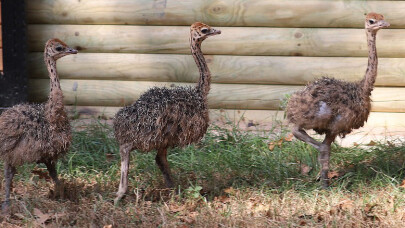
[56,49]
[200,31]
[375,22]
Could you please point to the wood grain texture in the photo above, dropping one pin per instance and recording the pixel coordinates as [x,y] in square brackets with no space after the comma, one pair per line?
[376,119]
[228,96]
[224,69]
[274,13]
[119,93]
[222,115]
[232,41]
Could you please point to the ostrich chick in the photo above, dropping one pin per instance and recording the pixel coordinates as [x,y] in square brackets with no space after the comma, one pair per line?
[36,132]
[164,118]
[334,107]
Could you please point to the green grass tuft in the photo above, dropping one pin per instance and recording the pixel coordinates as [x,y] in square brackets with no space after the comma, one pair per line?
[229,157]
[231,177]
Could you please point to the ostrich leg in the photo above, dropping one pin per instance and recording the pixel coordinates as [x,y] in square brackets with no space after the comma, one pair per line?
[9,172]
[324,156]
[161,161]
[51,166]
[303,136]
[124,151]
[59,188]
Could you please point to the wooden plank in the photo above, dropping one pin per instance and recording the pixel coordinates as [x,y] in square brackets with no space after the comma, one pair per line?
[224,69]
[376,119]
[232,41]
[381,126]
[216,115]
[119,93]
[228,96]
[275,13]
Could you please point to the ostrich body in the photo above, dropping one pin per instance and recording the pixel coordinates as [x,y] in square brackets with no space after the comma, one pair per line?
[334,107]
[164,118]
[36,132]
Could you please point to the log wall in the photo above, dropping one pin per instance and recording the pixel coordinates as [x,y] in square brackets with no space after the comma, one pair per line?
[267,49]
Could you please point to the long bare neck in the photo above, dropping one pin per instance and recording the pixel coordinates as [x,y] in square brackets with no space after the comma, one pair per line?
[55,111]
[371,73]
[204,82]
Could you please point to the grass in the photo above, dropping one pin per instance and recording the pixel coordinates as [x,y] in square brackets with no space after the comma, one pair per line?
[230,179]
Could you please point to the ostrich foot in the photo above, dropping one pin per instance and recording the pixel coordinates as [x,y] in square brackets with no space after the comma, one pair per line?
[324,183]
[5,207]
[169,182]
[161,161]
[117,200]
[59,190]
[122,189]
[324,157]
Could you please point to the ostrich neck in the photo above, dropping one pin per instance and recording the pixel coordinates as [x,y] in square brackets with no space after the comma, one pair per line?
[203,85]
[54,109]
[371,72]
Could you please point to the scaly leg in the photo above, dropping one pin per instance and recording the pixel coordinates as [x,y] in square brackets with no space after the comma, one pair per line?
[9,172]
[124,151]
[59,188]
[324,156]
[300,134]
[161,161]
[51,166]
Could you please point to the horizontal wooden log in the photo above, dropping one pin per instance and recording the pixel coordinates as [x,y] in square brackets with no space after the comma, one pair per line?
[380,127]
[275,13]
[228,96]
[216,115]
[232,41]
[257,117]
[119,93]
[224,69]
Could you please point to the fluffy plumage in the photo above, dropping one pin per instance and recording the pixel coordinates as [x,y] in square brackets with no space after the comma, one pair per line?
[26,135]
[164,118]
[38,133]
[334,107]
[329,106]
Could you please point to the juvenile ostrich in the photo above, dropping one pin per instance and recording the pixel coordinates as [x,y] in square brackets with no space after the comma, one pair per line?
[334,107]
[164,118]
[36,132]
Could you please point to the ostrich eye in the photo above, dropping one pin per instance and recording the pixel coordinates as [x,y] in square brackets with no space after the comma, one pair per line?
[204,30]
[59,48]
[371,21]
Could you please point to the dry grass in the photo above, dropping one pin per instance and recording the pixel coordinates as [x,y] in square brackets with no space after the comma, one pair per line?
[231,179]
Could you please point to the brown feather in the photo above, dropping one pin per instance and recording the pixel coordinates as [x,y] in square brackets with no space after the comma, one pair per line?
[164,118]
[335,107]
[37,132]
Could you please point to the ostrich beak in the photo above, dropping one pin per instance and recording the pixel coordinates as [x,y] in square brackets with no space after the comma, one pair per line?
[71,51]
[383,24]
[215,31]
